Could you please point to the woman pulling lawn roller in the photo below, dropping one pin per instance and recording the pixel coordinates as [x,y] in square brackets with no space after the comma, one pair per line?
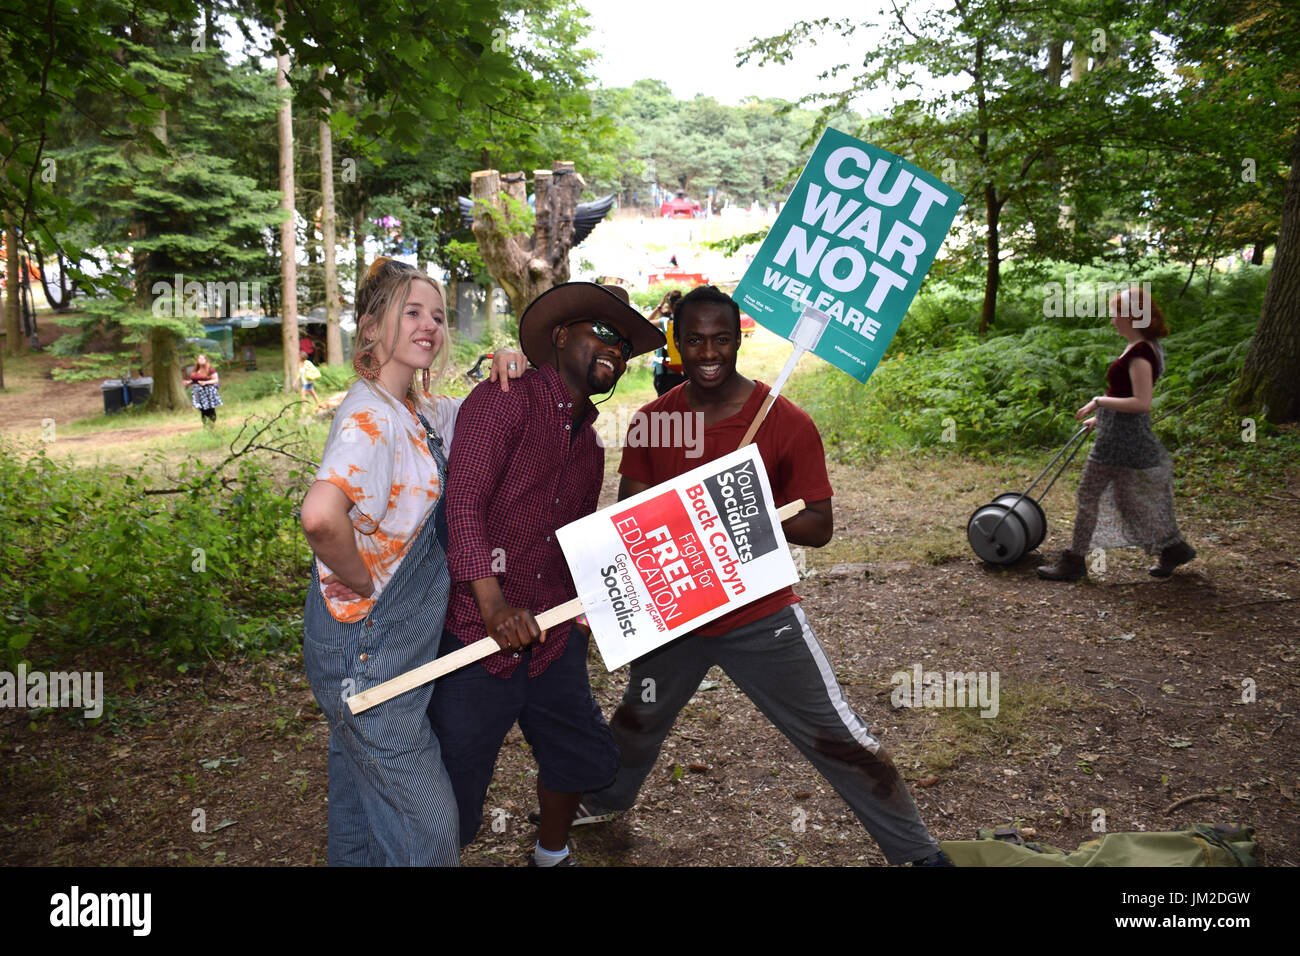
[1126,494]
[379,582]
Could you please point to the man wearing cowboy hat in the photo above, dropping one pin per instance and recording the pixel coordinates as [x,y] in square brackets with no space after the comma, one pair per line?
[524,463]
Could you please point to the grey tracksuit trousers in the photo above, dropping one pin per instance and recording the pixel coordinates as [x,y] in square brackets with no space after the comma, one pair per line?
[779,664]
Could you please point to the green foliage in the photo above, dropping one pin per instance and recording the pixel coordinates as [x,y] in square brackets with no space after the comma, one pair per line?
[746,153]
[250,387]
[733,244]
[68,54]
[1066,130]
[646,299]
[1022,388]
[335,378]
[466,262]
[94,366]
[92,560]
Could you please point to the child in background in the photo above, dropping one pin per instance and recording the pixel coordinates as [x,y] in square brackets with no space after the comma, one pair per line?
[307,375]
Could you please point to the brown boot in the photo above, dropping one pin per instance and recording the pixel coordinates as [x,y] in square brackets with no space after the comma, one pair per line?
[1069,567]
[1170,558]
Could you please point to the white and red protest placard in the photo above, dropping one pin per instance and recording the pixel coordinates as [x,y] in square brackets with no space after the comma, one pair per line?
[656,566]
[675,557]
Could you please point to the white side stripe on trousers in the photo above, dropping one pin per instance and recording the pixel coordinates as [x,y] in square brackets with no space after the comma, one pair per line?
[852,722]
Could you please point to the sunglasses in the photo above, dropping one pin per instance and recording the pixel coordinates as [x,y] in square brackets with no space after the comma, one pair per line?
[609,335]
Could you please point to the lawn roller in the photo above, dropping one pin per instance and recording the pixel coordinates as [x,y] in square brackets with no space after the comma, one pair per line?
[1007,529]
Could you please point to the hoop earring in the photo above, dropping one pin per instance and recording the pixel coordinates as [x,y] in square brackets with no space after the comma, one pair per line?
[364,365]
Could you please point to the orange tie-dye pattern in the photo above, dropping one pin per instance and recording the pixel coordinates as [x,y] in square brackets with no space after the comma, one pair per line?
[354,492]
[414,488]
[365,421]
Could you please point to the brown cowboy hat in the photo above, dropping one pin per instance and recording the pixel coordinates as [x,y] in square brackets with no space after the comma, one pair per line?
[575,301]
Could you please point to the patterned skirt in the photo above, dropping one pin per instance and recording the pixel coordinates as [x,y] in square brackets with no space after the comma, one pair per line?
[206,396]
[1126,494]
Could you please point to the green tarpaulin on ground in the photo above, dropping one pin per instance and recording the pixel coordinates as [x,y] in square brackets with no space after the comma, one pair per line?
[1198,845]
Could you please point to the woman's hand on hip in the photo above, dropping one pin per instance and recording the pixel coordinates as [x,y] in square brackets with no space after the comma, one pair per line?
[336,590]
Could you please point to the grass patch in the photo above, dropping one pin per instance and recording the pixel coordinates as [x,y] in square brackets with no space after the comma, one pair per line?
[940,737]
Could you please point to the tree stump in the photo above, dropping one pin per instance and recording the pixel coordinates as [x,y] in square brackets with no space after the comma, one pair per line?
[524,264]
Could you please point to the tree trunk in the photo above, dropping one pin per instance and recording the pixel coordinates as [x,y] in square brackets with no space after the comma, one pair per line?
[359,249]
[168,392]
[525,267]
[992,273]
[1050,223]
[168,386]
[1078,68]
[333,337]
[992,207]
[450,290]
[1257,254]
[1270,379]
[14,342]
[288,239]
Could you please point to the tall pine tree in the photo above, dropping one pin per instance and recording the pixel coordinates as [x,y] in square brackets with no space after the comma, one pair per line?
[181,225]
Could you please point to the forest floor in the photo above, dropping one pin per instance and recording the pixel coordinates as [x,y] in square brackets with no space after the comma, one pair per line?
[1124,703]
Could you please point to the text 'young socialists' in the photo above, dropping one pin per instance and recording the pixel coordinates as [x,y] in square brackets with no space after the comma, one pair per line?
[738,499]
[839,246]
[674,567]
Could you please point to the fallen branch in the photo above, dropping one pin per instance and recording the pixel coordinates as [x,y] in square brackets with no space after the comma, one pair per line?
[226,482]
[1141,703]
[1194,798]
[260,426]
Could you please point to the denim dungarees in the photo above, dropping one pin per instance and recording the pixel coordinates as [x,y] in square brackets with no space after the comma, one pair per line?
[390,799]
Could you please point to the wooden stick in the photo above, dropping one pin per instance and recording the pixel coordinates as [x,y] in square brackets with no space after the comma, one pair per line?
[790,363]
[1186,800]
[758,420]
[484,647]
[453,661]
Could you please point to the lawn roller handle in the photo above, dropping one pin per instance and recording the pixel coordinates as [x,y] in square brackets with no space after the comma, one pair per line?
[1083,430]
[475,374]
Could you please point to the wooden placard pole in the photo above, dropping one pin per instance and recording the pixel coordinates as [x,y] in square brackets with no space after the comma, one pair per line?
[484,647]
[805,335]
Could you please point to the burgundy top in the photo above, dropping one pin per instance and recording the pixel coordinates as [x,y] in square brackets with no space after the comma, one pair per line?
[514,477]
[792,452]
[1121,386]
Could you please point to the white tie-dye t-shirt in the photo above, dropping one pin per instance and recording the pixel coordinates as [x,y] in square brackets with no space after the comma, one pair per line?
[377,454]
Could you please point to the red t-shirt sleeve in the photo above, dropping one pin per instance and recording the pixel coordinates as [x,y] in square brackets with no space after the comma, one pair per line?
[800,468]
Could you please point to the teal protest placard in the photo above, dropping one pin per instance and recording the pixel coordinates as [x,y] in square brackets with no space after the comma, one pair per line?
[853,243]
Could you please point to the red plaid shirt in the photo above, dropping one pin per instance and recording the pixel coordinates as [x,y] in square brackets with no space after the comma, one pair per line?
[514,477]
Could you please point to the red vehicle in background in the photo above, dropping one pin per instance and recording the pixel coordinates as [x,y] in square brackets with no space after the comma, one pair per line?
[677,277]
[679,207]
[690,280]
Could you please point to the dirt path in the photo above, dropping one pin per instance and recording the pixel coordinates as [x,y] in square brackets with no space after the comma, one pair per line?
[1118,697]
[35,408]
[31,397]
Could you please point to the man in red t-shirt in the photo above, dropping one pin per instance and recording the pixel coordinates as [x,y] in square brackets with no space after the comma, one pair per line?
[767,647]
